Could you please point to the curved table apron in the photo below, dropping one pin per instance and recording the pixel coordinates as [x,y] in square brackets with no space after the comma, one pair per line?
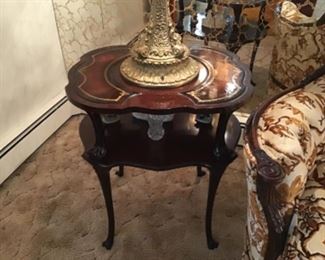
[222,86]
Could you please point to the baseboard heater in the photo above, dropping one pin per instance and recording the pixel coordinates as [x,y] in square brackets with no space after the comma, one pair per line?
[24,144]
[31,128]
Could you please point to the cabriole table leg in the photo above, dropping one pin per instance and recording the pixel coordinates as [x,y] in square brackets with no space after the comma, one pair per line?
[223,157]
[103,174]
[214,179]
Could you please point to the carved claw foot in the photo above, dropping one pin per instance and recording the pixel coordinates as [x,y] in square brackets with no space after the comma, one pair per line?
[212,244]
[108,244]
[97,152]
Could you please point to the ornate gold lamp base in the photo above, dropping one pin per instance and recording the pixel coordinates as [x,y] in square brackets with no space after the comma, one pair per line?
[160,75]
[158,57]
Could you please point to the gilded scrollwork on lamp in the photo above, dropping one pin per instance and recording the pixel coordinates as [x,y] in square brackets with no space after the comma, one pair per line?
[159,58]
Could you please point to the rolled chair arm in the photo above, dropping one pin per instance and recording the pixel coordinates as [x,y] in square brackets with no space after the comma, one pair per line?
[269,174]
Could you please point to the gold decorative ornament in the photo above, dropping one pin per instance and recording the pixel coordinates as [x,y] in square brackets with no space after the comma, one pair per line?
[159,58]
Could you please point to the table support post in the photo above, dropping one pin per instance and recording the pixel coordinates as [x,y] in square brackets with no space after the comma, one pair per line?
[214,179]
[256,45]
[200,171]
[103,174]
[261,25]
[209,7]
[120,171]
[221,147]
[224,156]
[99,151]
[179,25]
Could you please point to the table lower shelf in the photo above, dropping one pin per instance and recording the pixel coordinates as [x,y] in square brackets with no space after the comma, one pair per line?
[186,142]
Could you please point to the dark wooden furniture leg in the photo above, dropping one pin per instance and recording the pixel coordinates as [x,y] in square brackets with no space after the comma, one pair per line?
[221,149]
[235,35]
[179,25]
[103,174]
[224,157]
[99,150]
[261,27]
[200,171]
[209,7]
[120,171]
[256,45]
[214,180]
[94,157]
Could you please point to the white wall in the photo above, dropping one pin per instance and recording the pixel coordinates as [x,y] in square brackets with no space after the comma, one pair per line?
[39,41]
[32,73]
[32,69]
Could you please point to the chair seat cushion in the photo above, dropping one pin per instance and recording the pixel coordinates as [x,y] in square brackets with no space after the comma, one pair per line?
[306,237]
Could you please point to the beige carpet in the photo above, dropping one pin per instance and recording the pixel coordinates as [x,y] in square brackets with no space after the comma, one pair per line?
[52,208]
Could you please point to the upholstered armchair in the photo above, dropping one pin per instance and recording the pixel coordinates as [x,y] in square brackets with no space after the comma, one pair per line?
[299,47]
[285,156]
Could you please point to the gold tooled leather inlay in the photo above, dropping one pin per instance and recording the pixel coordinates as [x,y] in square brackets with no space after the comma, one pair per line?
[121,92]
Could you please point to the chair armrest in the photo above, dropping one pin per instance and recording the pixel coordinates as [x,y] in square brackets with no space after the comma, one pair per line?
[269,174]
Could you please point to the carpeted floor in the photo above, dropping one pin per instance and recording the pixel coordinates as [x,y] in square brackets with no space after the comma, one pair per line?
[52,208]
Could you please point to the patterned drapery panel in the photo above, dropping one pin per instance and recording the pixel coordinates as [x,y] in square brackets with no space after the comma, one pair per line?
[84,25]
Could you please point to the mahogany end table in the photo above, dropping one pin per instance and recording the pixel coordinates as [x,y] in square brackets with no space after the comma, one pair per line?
[222,86]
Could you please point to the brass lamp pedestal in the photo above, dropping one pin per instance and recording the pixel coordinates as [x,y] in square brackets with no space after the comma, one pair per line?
[159,58]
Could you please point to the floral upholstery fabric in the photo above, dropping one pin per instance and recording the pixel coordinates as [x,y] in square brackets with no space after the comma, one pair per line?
[292,132]
[307,230]
[256,228]
[299,49]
